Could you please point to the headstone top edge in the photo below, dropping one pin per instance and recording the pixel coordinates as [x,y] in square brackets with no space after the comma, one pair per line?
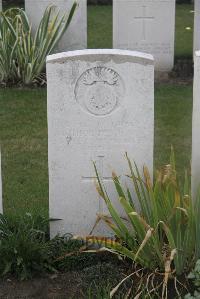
[59,57]
[197,53]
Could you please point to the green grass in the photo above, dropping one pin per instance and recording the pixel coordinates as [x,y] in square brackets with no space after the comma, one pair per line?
[183,37]
[99,27]
[173,125]
[23,136]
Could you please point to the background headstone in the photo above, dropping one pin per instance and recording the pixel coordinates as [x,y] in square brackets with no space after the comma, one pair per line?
[100,105]
[196,126]
[197,25]
[76,35]
[0,5]
[147,26]
[1,196]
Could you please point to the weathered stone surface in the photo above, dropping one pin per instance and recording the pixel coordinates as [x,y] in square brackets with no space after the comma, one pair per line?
[196,126]
[147,26]
[100,105]
[197,26]
[76,36]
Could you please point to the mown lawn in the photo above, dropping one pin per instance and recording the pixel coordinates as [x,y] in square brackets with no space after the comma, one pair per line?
[184,35]
[173,125]
[23,136]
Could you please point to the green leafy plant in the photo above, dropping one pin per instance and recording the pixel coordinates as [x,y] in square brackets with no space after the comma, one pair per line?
[163,234]
[22,56]
[24,249]
[195,277]
[8,44]
[99,292]
[105,292]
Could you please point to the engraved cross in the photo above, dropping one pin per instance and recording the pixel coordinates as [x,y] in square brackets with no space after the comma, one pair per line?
[100,168]
[144,18]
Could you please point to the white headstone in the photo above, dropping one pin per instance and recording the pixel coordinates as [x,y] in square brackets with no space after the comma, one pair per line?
[147,26]
[100,105]
[0,5]
[196,126]
[76,35]
[1,196]
[197,25]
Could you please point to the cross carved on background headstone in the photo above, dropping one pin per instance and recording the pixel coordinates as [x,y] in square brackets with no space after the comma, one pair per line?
[144,18]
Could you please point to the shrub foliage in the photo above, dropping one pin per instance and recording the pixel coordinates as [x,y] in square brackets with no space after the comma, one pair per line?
[163,233]
[22,55]
[23,246]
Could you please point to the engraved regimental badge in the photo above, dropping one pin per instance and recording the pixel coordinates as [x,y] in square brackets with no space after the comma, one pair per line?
[99,90]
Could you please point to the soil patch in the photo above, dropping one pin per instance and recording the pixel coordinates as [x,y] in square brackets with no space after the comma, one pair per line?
[72,284]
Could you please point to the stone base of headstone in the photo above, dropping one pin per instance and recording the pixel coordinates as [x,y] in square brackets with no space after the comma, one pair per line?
[162,76]
[183,68]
